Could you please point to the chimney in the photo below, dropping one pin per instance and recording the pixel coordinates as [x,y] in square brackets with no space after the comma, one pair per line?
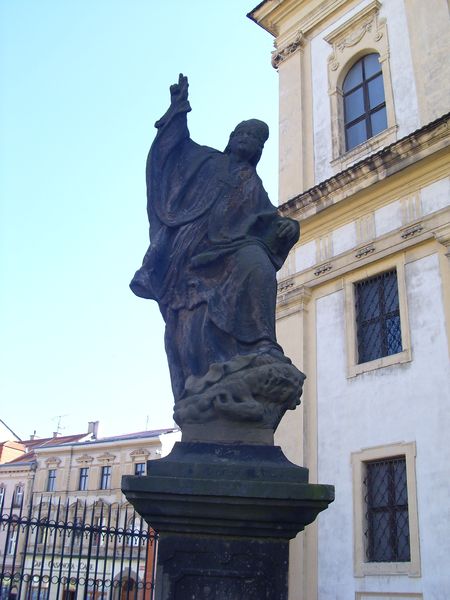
[93,429]
[55,434]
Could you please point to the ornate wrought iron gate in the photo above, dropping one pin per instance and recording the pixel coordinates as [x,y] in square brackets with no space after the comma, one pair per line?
[56,549]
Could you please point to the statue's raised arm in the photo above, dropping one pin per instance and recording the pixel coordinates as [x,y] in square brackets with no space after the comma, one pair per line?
[216,244]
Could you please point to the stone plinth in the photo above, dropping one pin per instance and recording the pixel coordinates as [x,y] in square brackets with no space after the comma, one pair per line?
[225,514]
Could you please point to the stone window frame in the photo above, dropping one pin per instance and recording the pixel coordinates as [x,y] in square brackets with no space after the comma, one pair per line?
[361,567]
[353,367]
[364,33]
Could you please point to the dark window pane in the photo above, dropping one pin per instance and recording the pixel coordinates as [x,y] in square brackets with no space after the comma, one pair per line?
[354,77]
[387,530]
[139,469]
[378,121]
[390,292]
[364,101]
[393,335]
[382,550]
[371,65]
[370,338]
[402,526]
[401,491]
[356,134]
[354,105]
[376,91]
[368,299]
[378,485]
[378,317]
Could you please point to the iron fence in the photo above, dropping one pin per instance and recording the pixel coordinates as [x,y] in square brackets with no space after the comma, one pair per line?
[57,549]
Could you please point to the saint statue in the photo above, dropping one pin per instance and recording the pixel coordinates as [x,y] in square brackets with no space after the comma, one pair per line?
[216,245]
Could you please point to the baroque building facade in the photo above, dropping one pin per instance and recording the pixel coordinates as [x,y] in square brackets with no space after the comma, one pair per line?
[65,521]
[364,298]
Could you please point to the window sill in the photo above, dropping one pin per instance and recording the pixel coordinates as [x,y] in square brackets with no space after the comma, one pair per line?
[410,569]
[373,144]
[379,363]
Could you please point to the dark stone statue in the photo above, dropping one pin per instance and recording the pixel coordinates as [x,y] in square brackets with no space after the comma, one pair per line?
[216,245]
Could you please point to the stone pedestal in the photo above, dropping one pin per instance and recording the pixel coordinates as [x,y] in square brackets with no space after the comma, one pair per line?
[225,514]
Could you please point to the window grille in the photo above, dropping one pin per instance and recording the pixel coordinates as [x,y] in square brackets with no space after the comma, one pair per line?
[84,473]
[378,317]
[364,101]
[387,525]
[139,469]
[51,481]
[105,481]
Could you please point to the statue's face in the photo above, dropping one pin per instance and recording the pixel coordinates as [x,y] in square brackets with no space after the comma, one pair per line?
[245,143]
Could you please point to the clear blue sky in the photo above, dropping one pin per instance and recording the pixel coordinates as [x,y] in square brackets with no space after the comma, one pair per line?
[83,82]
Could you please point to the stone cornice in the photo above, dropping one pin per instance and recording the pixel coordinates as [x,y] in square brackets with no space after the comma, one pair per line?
[269,14]
[288,49]
[376,167]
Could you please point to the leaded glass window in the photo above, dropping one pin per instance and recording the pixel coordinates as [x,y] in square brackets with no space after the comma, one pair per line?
[364,102]
[387,523]
[378,317]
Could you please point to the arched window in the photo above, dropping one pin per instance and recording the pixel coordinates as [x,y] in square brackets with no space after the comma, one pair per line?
[364,101]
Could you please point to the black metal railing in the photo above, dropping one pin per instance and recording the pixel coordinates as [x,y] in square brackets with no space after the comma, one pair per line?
[56,549]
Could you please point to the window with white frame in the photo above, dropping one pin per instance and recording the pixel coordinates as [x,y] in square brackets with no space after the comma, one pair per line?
[51,480]
[18,496]
[83,479]
[2,496]
[134,530]
[139,469]
[386,533]
[105,479]
[11,542]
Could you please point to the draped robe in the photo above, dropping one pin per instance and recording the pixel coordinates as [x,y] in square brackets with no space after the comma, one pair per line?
[214,252]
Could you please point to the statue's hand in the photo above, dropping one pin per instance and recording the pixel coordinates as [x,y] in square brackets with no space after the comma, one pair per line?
[179,91]
[287,229]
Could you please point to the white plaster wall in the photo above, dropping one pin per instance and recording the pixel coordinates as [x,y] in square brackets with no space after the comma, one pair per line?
[402,74]
[388,218]
[168,440]
[407,402]
[305,256]
[344,238]
[435,196]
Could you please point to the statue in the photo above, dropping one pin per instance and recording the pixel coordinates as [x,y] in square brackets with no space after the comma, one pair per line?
[216,245]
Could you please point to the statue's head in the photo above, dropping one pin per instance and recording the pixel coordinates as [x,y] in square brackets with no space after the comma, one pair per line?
[247,140]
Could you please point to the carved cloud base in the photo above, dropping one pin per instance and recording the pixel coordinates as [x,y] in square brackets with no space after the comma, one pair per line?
[242,400]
